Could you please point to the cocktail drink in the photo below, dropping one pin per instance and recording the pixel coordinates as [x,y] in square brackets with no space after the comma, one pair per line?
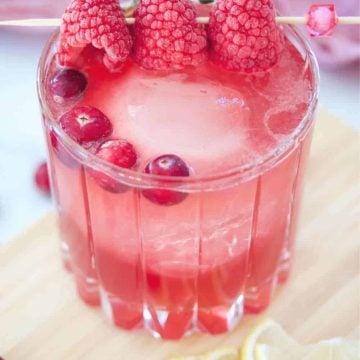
[177,169]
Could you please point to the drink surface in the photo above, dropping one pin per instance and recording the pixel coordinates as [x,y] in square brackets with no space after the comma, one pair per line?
[213,119]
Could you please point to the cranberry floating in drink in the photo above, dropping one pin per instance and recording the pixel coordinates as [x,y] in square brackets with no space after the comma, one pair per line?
[177,155]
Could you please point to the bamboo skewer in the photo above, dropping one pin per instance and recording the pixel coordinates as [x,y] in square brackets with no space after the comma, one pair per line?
[294,20]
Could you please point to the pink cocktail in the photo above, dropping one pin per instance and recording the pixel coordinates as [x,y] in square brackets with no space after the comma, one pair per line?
[177,253]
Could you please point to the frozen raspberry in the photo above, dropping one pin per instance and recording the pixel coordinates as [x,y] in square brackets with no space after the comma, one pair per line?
[244,36]
[67,84]
[86,123]
[42,178]
[99,23]
[166,35]
[117,152]
[166,165]
[321,20]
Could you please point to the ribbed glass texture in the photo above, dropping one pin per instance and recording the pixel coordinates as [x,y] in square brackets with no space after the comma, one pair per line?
[195,266]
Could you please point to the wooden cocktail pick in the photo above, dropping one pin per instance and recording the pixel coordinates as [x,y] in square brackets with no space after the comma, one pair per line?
[320,20]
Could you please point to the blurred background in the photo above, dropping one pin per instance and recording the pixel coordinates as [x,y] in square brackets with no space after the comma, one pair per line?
[22,145]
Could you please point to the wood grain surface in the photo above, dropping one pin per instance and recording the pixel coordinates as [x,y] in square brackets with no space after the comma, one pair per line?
[41,318]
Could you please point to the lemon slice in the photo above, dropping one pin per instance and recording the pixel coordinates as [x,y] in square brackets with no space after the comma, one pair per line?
[334,349]
[269,341]
[276,339]
[218,354]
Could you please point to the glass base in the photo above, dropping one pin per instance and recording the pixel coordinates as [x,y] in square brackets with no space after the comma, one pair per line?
[171,325]
[122,314]
[220,319]
[179,322]
[65,255]
[87,288]
[257,298]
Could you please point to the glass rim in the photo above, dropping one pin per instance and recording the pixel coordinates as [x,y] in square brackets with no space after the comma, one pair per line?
[195,182]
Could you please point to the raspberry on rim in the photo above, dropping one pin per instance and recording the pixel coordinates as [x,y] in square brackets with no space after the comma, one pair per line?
[99,23]
[244,36]
[166,35]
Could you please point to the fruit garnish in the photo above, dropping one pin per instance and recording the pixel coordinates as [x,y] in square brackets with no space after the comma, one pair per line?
[97,23]
[67,84]
[117,152]
[269,341]
[61,152]
[166,165]
[42,178]
[166,35]
[244,36]
[321,20]
[85,124]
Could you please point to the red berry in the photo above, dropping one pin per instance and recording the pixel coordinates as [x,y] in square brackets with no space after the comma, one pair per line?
[86,123]
[166,165]
[42,178]
[99,23]
[67,84]
[61,152]
[117,152]
[244,36]
[166,35]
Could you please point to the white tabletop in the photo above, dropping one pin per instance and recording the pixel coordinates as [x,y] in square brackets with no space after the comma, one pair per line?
[21,138]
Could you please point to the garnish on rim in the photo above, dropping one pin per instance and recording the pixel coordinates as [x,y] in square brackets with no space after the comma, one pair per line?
[99,23]
[244,36]
[166,35]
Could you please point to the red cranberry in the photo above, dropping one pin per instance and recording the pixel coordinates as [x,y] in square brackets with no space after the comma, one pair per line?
[86,123]
[117,152]
[67,84]
[42,178]
[61,152]
[166,165]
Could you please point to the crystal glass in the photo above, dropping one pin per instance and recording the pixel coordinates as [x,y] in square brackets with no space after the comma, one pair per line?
[198,265]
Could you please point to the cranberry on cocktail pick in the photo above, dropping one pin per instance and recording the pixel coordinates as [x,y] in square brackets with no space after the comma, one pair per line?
[321,20]
[85,124]
[42,178]
[67,84]
[116,152]
[166,165]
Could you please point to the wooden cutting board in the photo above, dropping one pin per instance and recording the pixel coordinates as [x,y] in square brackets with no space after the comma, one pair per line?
[41,318]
